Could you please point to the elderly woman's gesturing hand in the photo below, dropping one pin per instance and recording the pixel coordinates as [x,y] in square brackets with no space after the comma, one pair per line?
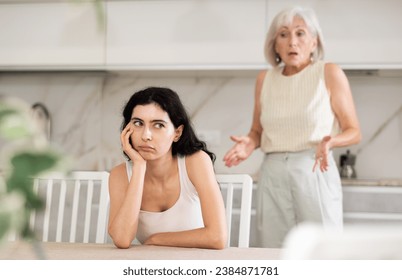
[321,154]
[240,151]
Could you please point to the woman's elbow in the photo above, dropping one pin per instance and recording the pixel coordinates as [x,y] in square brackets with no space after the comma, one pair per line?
[219,245]
[354,136]
[122,245]
[120,242]
[358,137]
[219,241]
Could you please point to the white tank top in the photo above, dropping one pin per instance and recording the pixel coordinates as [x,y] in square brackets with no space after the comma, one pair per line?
[185,214]
[296,110]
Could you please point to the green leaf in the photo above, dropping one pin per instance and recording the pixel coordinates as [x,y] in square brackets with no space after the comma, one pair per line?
[13,125]
[32,163]
[27,165]
[5,223]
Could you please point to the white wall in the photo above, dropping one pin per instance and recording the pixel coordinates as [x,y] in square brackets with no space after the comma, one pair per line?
[379,107]
[85,109]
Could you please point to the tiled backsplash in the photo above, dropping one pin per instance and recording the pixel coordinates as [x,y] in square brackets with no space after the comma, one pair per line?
[85,110]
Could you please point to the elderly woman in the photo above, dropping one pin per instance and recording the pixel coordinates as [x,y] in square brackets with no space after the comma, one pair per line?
[303,109]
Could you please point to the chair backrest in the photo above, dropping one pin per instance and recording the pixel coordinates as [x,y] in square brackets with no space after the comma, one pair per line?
[76,207]
[242,184]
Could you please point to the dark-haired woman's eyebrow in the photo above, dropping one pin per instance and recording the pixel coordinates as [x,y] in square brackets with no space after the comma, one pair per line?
[159,121]
[153,121]
[136,119]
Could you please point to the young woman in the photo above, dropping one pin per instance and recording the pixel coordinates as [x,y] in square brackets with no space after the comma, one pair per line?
[166,192]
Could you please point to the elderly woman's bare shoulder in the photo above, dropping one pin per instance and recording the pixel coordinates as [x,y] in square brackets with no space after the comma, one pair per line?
[334,73]
[332,67]
[261,74]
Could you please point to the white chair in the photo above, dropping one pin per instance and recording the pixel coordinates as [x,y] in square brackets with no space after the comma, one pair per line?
[243,183]
[76,207]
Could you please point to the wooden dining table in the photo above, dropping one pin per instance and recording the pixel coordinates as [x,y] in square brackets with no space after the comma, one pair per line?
[22,250]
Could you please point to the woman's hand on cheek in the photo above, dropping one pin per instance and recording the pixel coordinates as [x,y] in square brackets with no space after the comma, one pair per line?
[126,145]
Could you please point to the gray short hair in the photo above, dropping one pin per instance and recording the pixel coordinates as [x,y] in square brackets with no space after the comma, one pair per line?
[285,17]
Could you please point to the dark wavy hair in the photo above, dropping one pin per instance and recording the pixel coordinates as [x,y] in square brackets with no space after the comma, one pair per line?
[170,102]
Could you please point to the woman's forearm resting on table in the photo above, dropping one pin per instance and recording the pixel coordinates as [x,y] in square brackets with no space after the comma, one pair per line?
[197,238]
[123,232]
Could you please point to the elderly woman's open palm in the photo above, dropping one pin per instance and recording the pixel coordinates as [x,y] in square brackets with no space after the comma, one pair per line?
[240,151]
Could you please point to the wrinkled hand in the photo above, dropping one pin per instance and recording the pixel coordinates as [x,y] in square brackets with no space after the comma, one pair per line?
[240,151]
[321,154]
[127,147]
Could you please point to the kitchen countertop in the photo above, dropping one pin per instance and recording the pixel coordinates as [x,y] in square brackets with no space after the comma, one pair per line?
[389,182]
[382,182]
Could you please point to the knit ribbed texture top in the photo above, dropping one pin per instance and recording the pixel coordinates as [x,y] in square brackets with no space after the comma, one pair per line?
[296,111]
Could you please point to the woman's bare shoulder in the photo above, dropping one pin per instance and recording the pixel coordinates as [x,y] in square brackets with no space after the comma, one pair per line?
[118,174]
[334,75]
[261,75]
[198,164]
[118,168]
[199,157]
[332,68]
[200,168]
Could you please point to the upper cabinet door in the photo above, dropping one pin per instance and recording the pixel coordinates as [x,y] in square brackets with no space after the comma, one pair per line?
[358,33]
[48,34]
[193,33]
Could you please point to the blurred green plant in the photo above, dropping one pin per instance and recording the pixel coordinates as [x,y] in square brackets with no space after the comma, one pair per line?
[25,154]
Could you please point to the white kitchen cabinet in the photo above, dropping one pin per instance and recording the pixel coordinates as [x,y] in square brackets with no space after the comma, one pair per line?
[359,34]
[190,34]
[40,34]
[187,35]
[372,204]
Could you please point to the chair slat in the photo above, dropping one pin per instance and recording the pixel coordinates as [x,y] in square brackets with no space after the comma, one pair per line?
[229,208]
[33,213]
[60,212]
[46,218]
[242,182]
[88,210]
[101,232]
[69,190]
[74,214]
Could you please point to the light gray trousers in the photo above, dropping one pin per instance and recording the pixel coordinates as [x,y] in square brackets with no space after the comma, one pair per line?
[290,193]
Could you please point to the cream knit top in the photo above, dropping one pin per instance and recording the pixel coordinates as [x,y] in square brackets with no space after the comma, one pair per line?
[296,111]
